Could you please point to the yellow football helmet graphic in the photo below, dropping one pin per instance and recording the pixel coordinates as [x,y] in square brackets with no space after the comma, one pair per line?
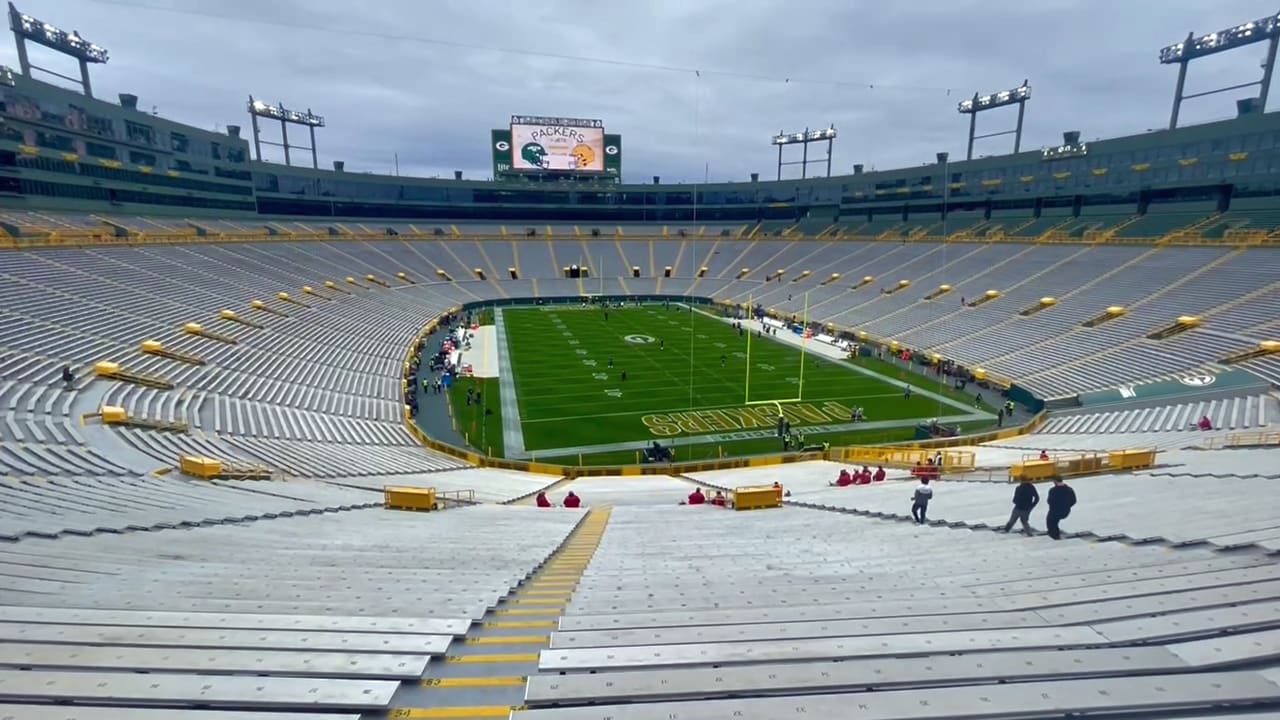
[584,154]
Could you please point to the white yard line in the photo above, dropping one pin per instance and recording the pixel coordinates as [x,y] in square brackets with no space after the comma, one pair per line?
[512,434]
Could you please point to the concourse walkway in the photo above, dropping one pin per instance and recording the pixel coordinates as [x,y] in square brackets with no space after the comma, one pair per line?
[484,673]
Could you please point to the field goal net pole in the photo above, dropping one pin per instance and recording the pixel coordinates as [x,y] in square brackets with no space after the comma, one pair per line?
[804,345]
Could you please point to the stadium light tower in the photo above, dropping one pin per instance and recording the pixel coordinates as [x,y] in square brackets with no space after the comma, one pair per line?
[979,103]
[27,28]
[259,109]
[804,138]
[1181,54]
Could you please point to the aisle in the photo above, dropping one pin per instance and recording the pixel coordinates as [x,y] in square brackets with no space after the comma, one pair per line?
[484,673]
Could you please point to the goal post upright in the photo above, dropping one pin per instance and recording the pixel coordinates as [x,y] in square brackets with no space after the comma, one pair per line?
[747,401]
[746,384]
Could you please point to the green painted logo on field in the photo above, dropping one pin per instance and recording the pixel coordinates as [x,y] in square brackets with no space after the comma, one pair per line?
[640,339]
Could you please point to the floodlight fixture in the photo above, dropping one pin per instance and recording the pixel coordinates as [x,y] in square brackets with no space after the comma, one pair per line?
[279,112]
[980,103]
[285,116]
[26,28]
[827,135]
[806,136]
[1231,38]
[1255,31]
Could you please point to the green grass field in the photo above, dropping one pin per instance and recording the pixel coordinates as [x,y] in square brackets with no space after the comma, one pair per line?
[691,380]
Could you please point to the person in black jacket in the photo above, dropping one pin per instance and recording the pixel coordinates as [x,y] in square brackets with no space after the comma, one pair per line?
[1025,498]
[1061,499]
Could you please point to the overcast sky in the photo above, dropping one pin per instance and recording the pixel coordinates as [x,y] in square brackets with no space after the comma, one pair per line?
[428,79]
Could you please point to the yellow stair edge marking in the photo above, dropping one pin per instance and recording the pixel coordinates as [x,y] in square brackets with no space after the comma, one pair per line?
[509,640]
[526,612]
[542,583]
[575,577]
[476,682]
[466,711]
[547,593]
[497,658]
[517,624]
[535,601]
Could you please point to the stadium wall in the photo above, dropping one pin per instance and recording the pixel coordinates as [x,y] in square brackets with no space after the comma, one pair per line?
[60,150]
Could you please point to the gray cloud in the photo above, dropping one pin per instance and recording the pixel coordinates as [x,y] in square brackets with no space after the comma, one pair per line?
[878,71]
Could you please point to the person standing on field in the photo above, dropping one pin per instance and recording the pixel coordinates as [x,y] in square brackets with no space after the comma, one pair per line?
[1025,499]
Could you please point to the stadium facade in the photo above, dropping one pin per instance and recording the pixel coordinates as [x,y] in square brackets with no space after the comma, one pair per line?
[63,150]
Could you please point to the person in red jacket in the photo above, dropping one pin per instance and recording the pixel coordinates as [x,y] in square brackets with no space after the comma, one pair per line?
[696,497]
[844,479]
[543,501]
[863,476]
[572,501]
[719,500]
[1205,423]
[879,476]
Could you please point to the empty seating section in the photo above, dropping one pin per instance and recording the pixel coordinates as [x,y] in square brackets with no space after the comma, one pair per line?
[314,378]
[821,607]
[1235,413]
[87,505]
[293,597]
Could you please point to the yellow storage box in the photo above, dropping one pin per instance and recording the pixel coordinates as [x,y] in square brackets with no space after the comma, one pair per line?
[409,498]
[201,467]
[756,498]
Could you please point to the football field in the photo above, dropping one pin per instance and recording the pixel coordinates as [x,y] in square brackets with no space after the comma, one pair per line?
[577,383]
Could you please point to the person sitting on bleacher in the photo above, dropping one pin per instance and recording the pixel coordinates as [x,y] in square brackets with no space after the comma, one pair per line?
[879,476]
[572,501]
[719,500]
[1205,423]
[68,377]
[696,497]
[1044,454]
[863,476]
[542,500]
[844,479]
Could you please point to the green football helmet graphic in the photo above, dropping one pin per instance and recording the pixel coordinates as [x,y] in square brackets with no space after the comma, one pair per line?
[534,154]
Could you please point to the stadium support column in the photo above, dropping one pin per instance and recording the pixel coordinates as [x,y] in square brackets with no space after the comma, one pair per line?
[1177,94]
[84,78]
[284,135]
[315,159]
[257,143]
[973,130]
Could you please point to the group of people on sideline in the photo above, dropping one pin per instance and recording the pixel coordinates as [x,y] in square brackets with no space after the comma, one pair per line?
[859,477]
